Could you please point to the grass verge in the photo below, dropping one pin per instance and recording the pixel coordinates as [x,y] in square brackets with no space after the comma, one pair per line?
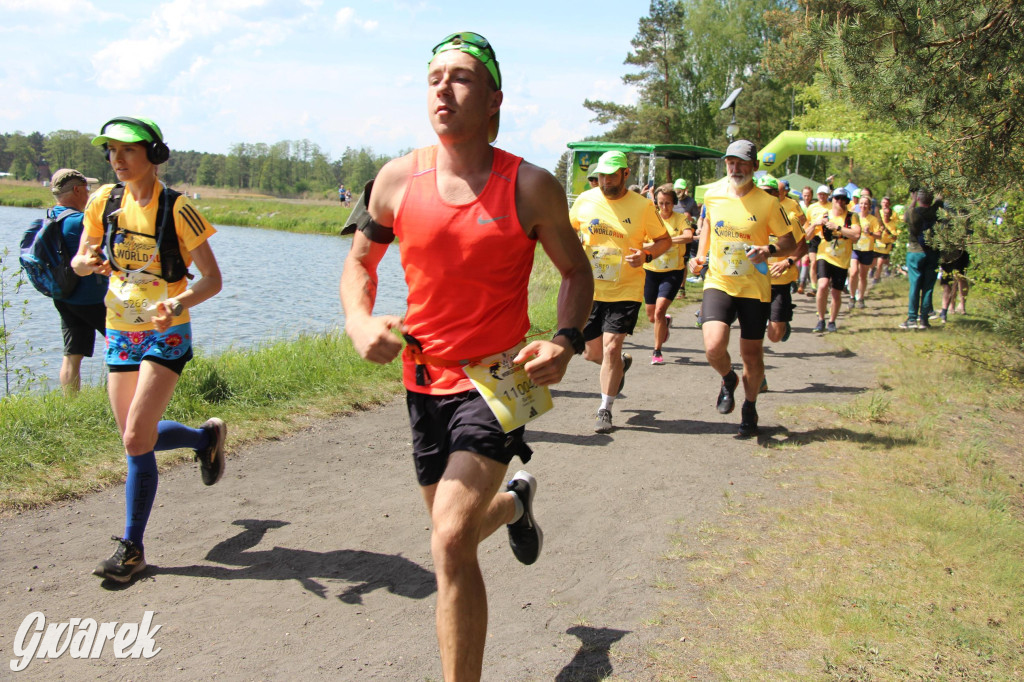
[245,211]
[53,447]
[893,553]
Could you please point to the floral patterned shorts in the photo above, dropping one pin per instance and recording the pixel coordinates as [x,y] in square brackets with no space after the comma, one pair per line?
[172,347]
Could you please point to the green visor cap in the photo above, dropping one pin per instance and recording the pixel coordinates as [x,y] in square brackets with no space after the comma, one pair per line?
[475,45]
[611,162]
[768,181]
[126,132]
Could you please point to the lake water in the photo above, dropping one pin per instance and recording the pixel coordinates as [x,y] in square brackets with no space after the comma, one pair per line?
[277,285]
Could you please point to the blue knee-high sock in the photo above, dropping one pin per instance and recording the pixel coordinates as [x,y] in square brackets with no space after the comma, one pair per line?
[173,435]
[139,493]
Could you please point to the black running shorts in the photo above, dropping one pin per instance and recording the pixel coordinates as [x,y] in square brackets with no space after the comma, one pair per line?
[836,274]
[443,424]
[617,317]
[782,303]
[752,313]
[863,257]
[662,285]
[79,324]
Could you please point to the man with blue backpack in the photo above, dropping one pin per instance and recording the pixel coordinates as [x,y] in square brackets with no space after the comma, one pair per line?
[78,300]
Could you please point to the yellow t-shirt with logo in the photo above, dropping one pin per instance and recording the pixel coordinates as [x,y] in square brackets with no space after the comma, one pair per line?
[838,251]
[890,231]
[814,213]
[675,257]
[793,212]
[608,230]
[736,223]
[869,230]
[134,247]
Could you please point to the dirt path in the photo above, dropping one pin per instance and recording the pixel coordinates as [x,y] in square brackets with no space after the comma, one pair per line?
[311,558]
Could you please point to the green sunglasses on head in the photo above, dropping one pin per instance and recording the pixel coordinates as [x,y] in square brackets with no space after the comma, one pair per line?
[474,45]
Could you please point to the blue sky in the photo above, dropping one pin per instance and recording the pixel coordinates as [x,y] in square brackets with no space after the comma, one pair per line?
[213,73]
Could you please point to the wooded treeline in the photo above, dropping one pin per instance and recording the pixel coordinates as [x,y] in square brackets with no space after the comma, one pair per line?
[286,168]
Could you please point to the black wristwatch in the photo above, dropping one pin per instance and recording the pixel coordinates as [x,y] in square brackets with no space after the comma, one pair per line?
[176,307]
[772,249]
[575,337]
[648,257]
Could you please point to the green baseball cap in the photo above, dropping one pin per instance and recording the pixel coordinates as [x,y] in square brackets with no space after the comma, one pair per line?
[768,180]
[122,131]
[611,162]
[679,184]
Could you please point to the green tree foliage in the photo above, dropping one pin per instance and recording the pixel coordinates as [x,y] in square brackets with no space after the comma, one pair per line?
[953,73]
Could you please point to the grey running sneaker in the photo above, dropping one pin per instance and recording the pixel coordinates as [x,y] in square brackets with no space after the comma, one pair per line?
[853,304]
[748,422]
[627,362]
[909,323]
[860,304]
[831,327]
[726,402]
[524,535]
[127,560]
[820,327]
[942,316]
[603,423]
[211,458]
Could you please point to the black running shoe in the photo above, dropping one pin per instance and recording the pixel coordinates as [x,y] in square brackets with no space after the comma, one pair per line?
[726,402]
[627,362]
[211,458]
[525,535]
[748,422]
[127,560]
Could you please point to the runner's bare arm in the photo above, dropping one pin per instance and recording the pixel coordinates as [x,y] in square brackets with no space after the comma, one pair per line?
[208,286]
[543,213]
[88,260]
[698,261]
[372,336]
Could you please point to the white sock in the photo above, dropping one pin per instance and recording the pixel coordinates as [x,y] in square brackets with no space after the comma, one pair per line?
[607,401]
[519,507]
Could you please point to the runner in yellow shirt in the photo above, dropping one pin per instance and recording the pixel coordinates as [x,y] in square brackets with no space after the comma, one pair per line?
[740,220]
[783,269]
[889,222]
[614,224]
[863,252]
[666,273]
[812,233]
[839,229]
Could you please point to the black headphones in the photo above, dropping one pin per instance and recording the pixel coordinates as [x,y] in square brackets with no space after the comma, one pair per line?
[156,151]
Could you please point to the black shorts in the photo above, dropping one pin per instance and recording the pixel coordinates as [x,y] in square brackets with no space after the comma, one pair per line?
[812,246]
[863,257]
[79,324]
[753,314]
[176,365]
[663,285]
[782,303]
[443,424]
[617,317]
[826,270]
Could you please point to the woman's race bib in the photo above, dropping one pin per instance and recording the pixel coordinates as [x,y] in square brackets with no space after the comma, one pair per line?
[605,261]
[732,260]
[132,296]
[668,260]
[510,394]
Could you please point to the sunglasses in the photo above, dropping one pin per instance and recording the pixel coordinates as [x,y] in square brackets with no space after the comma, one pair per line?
[474,45]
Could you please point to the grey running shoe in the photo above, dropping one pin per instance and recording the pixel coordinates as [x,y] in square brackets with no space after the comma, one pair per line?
[726,402]
[820,327]
[603,423]
[908,323]
[748,422]
[524,535]
[211,458]
[860,304]
[831,327]
[942,316]
[627,362]
[127,560]
[853,304]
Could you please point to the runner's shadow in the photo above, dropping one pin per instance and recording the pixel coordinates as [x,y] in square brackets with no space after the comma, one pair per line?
[777,436]
[822,388]
[591,662]
[561,393]
[647,420]
[368,570]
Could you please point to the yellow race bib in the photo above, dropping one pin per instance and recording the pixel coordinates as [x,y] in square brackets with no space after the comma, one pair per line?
[510,394]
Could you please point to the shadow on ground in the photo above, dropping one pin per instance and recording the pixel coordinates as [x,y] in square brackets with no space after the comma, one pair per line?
[778,436]
[368,570]
[591,662]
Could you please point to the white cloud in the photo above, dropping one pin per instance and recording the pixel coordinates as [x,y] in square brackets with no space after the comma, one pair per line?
[346,16]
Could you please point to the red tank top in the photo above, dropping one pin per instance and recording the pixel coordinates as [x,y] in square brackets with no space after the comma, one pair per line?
[467,267]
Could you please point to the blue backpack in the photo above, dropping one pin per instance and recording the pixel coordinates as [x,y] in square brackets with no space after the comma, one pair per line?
[46,259]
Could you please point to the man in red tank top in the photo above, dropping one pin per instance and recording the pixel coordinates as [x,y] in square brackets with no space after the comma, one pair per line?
[468,217]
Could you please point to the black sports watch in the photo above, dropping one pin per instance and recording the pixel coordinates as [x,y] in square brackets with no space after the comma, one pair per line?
[648,256]
[176,307]
[575,337]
